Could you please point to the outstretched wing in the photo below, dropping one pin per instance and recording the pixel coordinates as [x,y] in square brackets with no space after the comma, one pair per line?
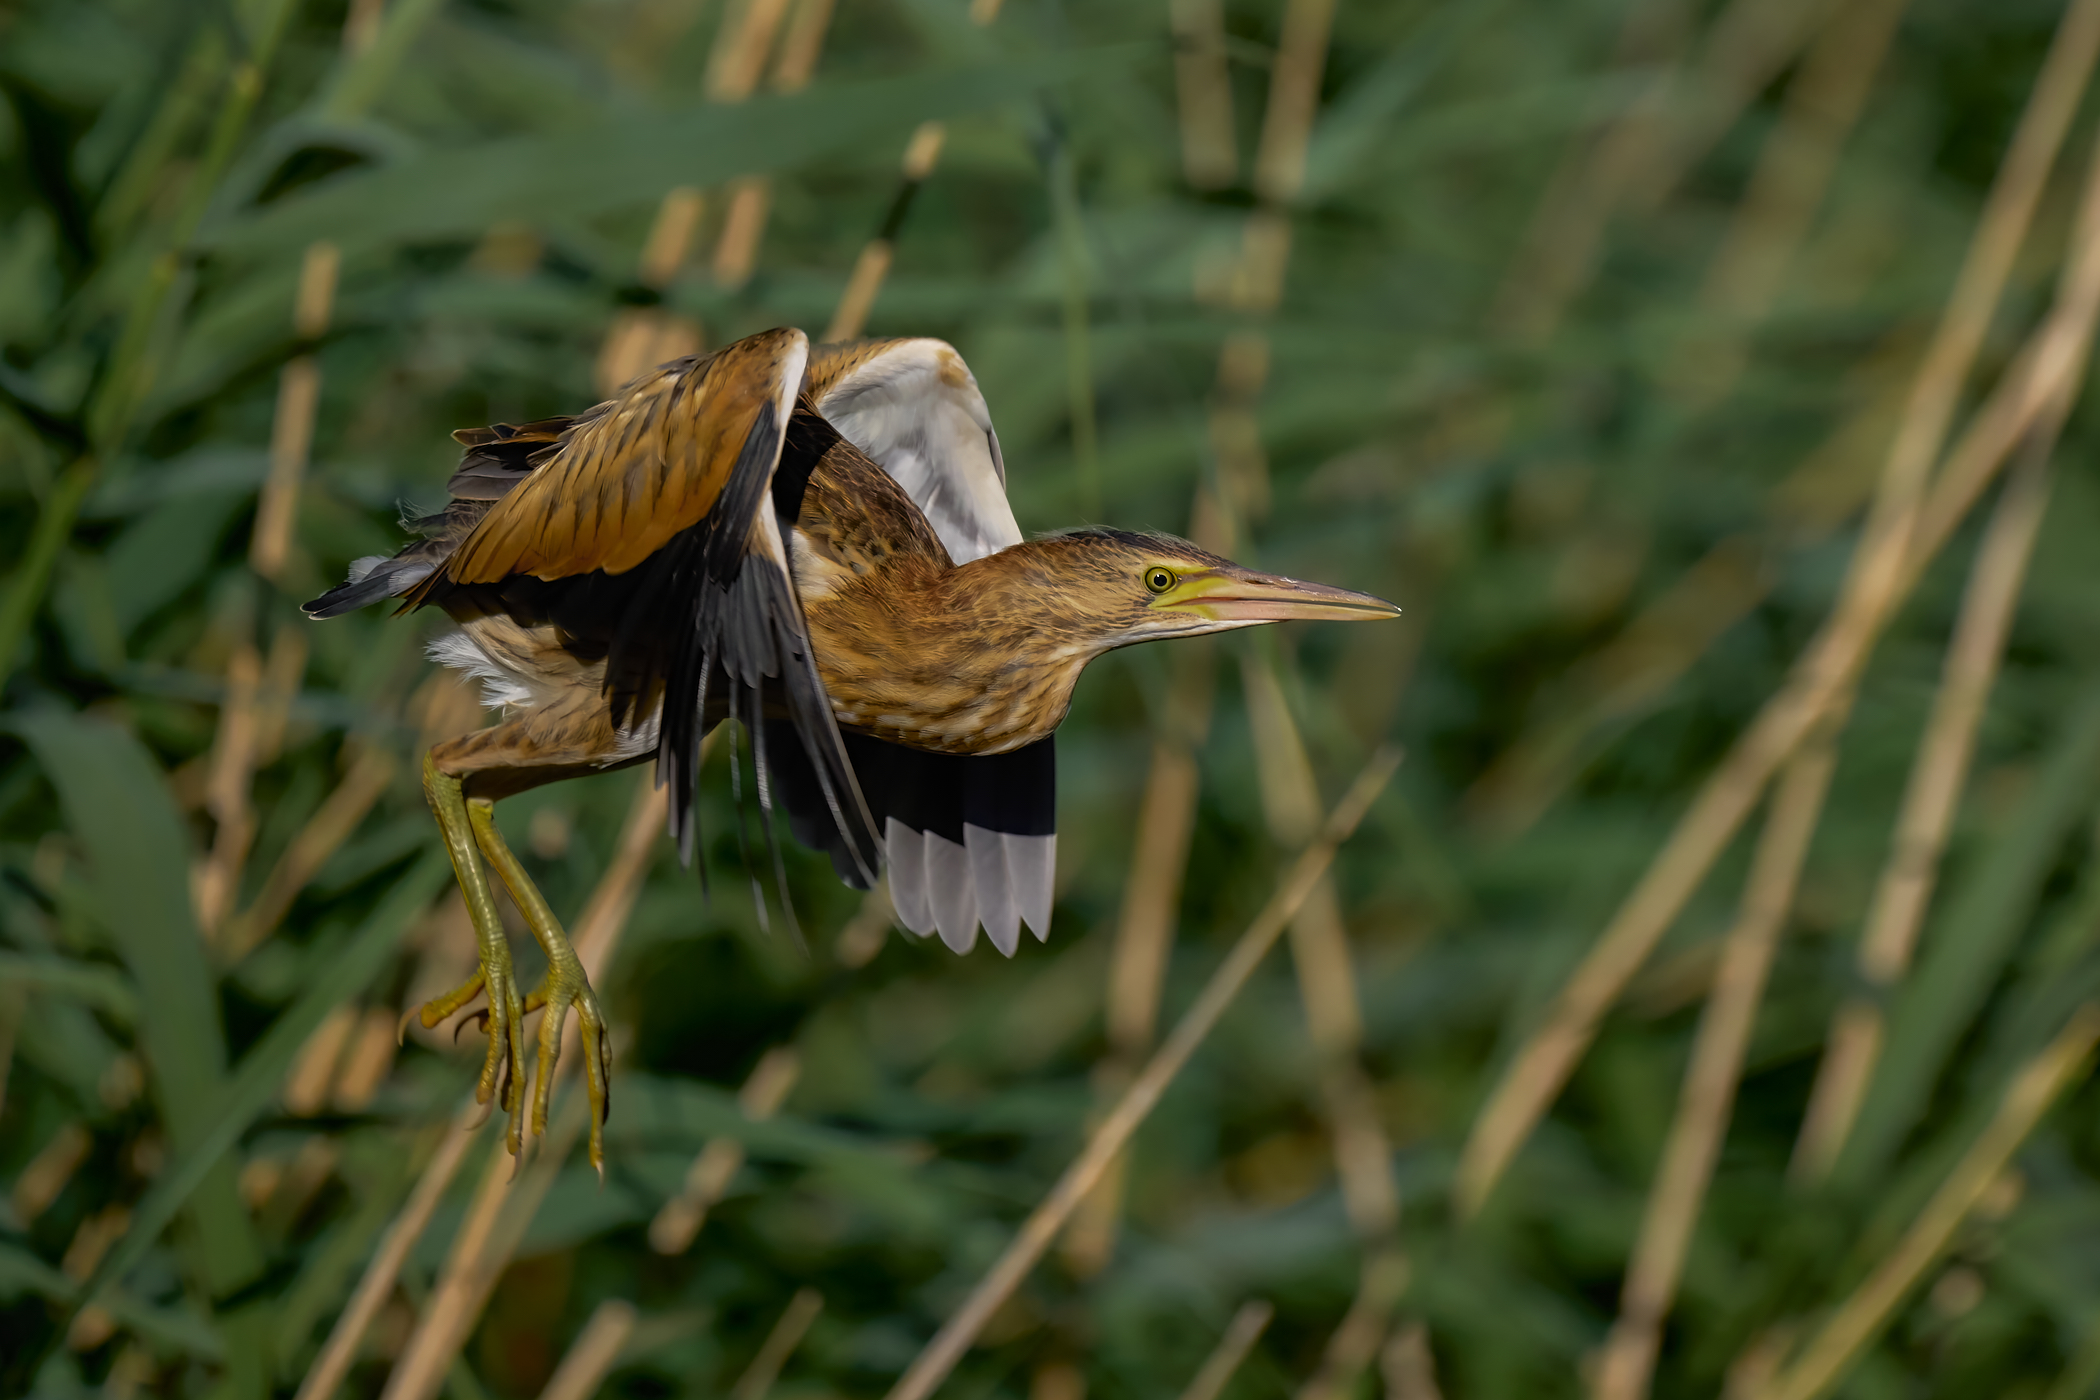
[656,531]
[913,407]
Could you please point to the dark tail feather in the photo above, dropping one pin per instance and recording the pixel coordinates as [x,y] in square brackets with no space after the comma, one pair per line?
[371,580]
[765,820]
[736,797]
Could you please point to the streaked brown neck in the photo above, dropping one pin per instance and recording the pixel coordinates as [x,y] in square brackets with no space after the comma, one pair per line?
[976,658]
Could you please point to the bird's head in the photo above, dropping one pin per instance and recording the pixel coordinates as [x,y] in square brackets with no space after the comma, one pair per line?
[1120,587]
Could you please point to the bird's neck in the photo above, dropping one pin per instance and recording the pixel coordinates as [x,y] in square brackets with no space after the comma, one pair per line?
[971,658]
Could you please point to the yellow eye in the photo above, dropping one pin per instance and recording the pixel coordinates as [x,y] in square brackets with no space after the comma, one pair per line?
[1159,580]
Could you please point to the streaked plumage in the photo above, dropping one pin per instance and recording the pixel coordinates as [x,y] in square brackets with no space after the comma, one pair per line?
[818,545]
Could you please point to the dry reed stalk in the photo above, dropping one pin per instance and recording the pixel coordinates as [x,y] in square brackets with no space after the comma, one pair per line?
[46,1174]
[738,56]
[1057,1379]
[1408,1367]
[361,26]
[1707,1100]
[1861,1317]
[1203,93]
[644,336]
[1294,100]
[1326,977]
[751,197]
[869,928]
[1356,1341]
[292,431]
[226,790]
[1325,970]
[1793,173]
[283,672]
[1627,675]
[940,1354]
[371,769]
[779,1345]
[1226,1357]
[584,1366]
[503,1206]
[1885,565]
[376,1285]
[733,70]
[306,1086]
[921,154]
[1927,814]
[1144,938]
[679,1219]
[367,1058]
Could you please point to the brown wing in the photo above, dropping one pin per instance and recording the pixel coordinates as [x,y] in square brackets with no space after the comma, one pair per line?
[652,535]
[633,473]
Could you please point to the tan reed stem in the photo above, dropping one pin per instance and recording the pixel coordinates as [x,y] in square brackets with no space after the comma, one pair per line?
[333,1361]
[1884,569]
[679,1219]
[1927,815]
[1408,1366]
[751,197]
[1325,970]
[1144,935]
[291,434]
[738,56]
[921,154]
[1707,1100]
[1225,1358]
[1355,1342]
[233,754]
[1144,939]
[779,1345]
[1861,1317]
[1294,99]
[642,337]
[1210,159]
[592,1354]
[371,769]
[444,1321]
[1048,1218]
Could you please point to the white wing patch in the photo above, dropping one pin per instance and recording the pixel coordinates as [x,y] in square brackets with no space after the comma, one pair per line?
[994,878]
[915,410]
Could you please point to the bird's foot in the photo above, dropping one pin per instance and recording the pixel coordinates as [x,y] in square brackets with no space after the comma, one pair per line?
[503,1073]
[567,987]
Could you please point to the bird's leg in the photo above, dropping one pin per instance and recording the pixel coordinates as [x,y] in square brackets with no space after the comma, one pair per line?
[566,985]
[503,1075]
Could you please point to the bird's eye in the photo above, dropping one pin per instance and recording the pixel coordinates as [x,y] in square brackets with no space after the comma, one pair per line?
[1159,580]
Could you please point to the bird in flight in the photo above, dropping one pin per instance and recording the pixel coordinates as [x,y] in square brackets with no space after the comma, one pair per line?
[814,542]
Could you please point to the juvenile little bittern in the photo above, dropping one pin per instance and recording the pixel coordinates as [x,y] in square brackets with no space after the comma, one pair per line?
[817,544]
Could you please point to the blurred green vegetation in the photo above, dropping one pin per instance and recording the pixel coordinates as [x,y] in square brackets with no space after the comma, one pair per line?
[490,170]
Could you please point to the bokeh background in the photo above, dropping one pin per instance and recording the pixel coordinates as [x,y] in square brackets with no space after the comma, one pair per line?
[1660,357]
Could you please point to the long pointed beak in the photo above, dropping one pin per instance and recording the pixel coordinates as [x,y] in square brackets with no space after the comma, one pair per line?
[1242,595]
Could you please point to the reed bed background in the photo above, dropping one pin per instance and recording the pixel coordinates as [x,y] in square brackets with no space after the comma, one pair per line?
[1704,1006]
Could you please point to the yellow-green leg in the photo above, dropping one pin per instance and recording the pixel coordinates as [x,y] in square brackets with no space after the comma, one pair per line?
[503,1075]
[566,985]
